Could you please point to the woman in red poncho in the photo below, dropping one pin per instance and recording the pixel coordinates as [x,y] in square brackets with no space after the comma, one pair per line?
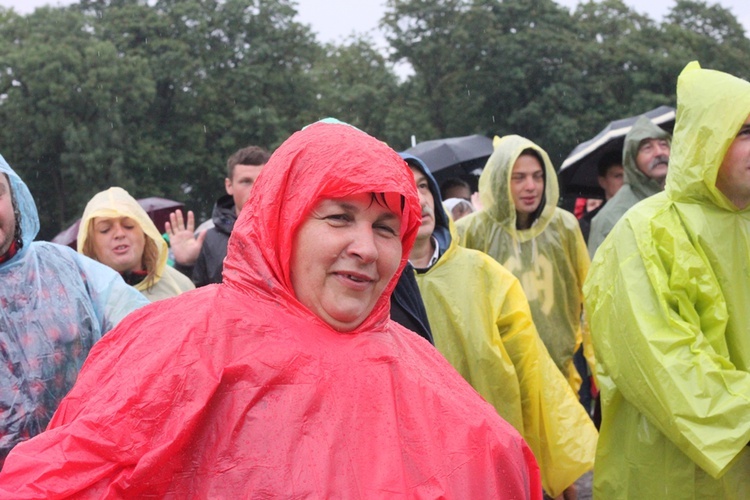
[289,379]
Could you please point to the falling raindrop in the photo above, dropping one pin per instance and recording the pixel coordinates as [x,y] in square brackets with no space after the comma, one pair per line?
[204,129]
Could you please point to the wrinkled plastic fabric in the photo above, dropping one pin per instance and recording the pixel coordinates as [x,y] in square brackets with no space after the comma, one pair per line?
[250,394]
[549,259]
[638,186]
[54,305]
[667,298]
[483,326]
[115,202]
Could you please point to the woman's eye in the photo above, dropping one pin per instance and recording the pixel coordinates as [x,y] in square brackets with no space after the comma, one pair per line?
[338,218]
[390,231]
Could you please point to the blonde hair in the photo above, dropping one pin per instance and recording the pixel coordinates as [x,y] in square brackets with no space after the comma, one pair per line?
[149,259]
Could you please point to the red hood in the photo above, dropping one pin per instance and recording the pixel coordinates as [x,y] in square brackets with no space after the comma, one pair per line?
[335,160]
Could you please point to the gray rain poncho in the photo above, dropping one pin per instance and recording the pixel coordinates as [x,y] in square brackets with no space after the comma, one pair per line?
[55,305]
[638,186]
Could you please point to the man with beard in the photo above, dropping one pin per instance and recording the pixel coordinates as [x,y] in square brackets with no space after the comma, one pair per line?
[645,158]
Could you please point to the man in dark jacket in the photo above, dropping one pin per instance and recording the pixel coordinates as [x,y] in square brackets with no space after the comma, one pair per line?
[202,258]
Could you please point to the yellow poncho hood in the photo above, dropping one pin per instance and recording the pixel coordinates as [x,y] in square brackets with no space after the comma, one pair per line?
[494,186]
[698,150]
[116,202]
[549,258]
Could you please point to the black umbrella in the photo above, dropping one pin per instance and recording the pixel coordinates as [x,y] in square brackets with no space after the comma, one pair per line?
[462,157]
[158,209]
[578,173]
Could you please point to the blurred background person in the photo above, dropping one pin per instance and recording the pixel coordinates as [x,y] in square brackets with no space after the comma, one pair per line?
[458,207]
[202,257]
[455,187]
[116,231]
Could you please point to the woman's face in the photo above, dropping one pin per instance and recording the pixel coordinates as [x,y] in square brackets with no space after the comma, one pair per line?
[343,256]
[118,243]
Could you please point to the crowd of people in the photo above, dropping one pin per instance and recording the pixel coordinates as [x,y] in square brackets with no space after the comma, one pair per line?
[348,327]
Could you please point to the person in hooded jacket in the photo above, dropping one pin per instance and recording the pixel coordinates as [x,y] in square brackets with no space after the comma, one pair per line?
[54,305]
[115,230]
[289,379]
[483,326]
[202,257]
[667,299]
[645,160]
[521,227]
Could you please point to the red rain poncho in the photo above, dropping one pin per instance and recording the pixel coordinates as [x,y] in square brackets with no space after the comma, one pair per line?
[238,390]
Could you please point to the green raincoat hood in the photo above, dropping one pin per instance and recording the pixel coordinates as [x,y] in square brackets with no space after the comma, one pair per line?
[699,149]
[494,186]
[642,185]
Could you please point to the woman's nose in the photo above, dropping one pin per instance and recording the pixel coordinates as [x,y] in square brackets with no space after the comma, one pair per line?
[363,244]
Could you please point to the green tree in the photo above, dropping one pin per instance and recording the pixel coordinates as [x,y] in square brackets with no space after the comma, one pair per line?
[68,103]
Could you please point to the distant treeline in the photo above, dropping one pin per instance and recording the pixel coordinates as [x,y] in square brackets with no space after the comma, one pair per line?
[154,98]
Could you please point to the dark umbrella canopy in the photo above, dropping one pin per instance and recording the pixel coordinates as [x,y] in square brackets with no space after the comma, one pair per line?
[578,173]
[462,157]
[158,209]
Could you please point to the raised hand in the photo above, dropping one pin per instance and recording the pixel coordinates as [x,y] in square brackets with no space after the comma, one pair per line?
[185,246]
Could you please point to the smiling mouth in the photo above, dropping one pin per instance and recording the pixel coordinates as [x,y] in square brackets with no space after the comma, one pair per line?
[356,277]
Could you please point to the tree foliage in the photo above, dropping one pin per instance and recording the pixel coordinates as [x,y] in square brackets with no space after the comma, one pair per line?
[154,96]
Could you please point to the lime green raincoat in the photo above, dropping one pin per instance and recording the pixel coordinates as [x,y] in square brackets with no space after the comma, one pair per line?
[668,298]
[116,202]
[550,258]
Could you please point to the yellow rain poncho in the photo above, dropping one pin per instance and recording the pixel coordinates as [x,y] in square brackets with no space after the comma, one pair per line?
[116,202]
[550,258]
[481,323]
[667,299]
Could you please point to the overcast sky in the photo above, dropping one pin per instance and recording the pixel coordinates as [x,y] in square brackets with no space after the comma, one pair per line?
[334,20]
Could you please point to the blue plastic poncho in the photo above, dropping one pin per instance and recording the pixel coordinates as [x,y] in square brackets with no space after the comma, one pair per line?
[668,298]
[252,395]
[55,305]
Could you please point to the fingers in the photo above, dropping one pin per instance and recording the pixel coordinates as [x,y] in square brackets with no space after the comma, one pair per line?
[176,223]
[190,221]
